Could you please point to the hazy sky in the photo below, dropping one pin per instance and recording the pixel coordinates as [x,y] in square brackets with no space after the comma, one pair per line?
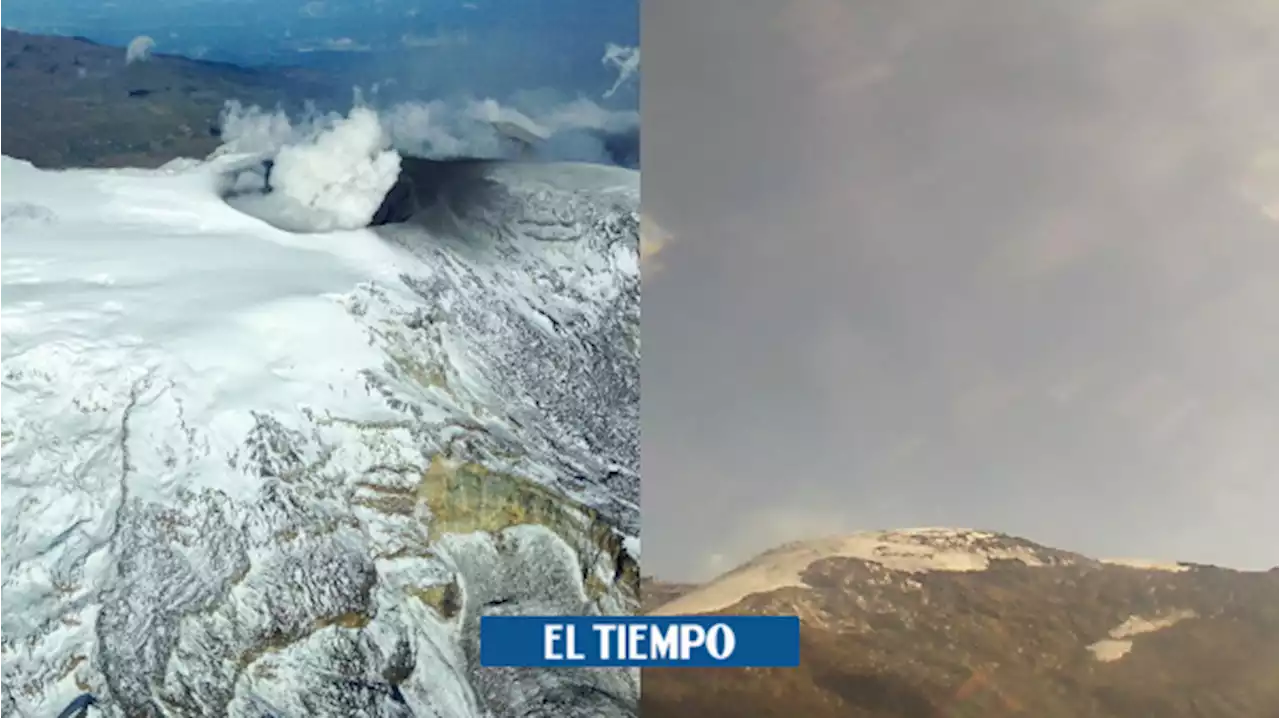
[428,48]
[999,263]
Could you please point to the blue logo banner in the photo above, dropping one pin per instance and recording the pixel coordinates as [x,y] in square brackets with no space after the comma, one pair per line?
[640,641]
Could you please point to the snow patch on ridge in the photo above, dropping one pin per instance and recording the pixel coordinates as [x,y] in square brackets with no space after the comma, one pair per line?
[1146,565]
[908,550]
[1118,645]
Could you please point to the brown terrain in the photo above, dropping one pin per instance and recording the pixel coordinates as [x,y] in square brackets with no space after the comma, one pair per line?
[70,102]
[657,593]
[911,628]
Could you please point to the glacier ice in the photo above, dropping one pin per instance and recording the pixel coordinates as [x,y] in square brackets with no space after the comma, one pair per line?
[249,472]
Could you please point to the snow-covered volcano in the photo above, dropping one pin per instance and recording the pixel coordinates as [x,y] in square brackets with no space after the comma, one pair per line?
[251,472]
[962,622]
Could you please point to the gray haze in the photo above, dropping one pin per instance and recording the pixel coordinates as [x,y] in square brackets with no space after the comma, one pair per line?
[1003,264]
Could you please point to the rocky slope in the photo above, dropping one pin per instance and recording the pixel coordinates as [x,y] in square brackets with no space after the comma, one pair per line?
[923,623]
[655,593]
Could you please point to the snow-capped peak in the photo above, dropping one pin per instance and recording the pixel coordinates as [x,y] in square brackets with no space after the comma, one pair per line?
[909,550]
[236,457]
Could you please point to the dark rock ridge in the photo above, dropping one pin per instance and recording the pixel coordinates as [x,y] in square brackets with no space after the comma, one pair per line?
[956,623]
[426,183]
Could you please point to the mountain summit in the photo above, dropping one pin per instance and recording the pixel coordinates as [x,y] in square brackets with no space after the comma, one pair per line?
[250,472]
[956,622]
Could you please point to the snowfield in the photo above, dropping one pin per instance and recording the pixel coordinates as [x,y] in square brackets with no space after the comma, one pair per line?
[917,550]
[250,472]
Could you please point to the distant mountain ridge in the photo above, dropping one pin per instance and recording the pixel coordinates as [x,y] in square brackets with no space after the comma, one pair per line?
[956,622]
[71,102]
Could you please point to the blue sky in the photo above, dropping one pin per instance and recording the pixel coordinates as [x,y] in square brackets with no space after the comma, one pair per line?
[482,47]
